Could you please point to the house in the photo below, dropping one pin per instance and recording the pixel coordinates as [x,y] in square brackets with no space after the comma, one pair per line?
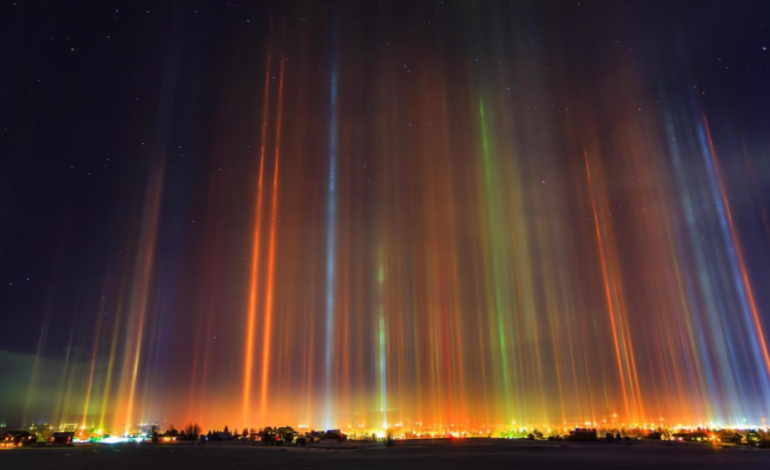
[335,434]
[62,438]
[730,437]
[581,434]
[753,437]
[287,433]
[691,436]
[17,438]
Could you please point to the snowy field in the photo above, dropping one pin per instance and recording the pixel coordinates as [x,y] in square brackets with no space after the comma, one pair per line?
[486,454]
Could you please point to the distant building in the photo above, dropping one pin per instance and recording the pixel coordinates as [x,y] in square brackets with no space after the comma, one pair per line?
[691,436]
[335,434]
[63,438]
[654,435]
[731,437]
[17,438]
[581,434]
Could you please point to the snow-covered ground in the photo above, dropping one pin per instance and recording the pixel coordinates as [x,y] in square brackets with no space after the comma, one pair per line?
[484,454]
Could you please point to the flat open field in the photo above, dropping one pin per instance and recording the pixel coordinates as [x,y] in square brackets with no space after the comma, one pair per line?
[486,454]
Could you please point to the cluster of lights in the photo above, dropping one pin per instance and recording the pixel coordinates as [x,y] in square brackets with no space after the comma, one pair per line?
[702,432]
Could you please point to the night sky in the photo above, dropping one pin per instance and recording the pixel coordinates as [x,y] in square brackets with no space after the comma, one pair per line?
[373,214]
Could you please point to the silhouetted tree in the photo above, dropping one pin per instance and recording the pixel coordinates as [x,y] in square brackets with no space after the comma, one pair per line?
[226,430]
